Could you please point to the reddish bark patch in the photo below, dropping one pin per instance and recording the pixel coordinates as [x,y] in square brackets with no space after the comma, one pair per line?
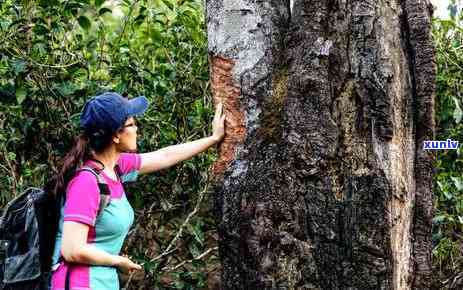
[224,90]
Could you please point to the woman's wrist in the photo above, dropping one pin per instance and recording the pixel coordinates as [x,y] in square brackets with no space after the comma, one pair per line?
[115,261]
[216,139]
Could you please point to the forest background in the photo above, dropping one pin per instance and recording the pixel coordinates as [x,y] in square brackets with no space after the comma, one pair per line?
[55,54]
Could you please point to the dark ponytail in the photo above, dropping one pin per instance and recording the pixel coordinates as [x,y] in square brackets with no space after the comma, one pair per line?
[80,152]
[83,149]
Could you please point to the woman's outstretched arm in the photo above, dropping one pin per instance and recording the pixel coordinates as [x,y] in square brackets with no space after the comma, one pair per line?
[171,155]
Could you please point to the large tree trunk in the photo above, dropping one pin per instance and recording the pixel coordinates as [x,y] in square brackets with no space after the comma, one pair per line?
[322,182]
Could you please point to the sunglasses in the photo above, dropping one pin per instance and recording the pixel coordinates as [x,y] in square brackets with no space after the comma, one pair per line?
[134,123]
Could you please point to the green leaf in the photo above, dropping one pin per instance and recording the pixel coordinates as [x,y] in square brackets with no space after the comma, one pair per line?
[75,120]
[139,19]
[156,35]
[21,94]
[18,66]
[41,29]
[66,88]
[448,195]
[197,233]
[441,186]
[458,113]
[194,250]
[98,3]
[169,4]
[104,10]
[438,219]
[11,156]
[84,22]
[179,284]
[123,50]
[72,8]
[458,182]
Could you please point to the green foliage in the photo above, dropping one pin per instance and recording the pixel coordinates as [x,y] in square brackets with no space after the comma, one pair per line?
[56,54]
[448,197]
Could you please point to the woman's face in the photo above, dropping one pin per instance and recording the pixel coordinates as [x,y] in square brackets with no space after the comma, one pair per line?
[128,136]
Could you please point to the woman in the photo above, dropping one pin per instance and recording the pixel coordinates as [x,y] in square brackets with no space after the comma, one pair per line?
[89,247]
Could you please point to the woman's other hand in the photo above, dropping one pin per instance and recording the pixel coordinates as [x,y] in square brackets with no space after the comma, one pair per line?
[125,264]
[218,124]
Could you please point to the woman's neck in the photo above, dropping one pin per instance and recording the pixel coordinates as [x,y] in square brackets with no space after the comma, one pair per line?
[108,157]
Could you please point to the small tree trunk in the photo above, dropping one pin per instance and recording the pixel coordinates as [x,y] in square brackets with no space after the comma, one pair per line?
[322,182]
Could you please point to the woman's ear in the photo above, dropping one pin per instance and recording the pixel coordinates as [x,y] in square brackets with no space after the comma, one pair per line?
[116,139]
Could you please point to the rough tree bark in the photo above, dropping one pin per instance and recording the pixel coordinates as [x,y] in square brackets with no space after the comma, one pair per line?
[322,182]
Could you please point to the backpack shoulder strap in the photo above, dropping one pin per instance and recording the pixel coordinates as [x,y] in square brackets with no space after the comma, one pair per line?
[94,171]
[105,194]
[119,174]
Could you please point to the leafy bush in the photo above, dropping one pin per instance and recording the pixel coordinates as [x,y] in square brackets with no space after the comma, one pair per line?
[448,197]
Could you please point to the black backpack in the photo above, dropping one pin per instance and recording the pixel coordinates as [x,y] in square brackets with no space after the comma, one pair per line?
[28,229]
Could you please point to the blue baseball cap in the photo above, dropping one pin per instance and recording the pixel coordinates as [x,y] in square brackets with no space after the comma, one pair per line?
[109,111]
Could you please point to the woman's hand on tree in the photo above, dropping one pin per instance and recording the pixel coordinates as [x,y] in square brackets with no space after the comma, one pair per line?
[218,124]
